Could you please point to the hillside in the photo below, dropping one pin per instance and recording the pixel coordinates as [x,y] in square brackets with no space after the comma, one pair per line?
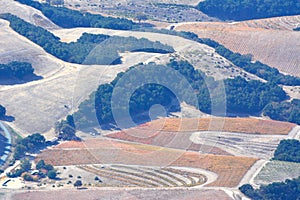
[276,48]
[118,109]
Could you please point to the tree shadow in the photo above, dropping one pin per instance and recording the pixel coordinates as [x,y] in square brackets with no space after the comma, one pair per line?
[7,118]
[15,81]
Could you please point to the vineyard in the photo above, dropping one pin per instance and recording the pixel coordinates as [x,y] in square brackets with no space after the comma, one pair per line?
[237,125]
[230,169]
[277,171]
[276,23]
[143,176]
[253,37]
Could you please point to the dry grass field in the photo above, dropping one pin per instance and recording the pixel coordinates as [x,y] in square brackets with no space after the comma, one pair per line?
[26,13]
[277,46]
[230,169]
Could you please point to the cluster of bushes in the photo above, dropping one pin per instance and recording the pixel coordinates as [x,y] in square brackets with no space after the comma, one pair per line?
[288,150]
[67,18]
[44,170]
[47,168]
[105,48]
[24,167]
[284,111]
[247,97]
[289,189]
[249,9]
[15,69]
[29,144]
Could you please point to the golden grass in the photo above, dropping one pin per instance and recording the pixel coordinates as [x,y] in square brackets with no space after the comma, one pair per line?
[238,125]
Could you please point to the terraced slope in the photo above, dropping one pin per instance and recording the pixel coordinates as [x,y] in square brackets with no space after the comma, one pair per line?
[230,169]
[143,176]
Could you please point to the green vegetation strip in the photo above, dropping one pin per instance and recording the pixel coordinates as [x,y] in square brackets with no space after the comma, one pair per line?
[67,18]
[89,49]
[249,9]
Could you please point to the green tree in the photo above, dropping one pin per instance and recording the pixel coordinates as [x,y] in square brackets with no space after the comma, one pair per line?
[25,165]
[40,165]
[52,174]
[141,17]
[78,183]
[28,177]
[20,151]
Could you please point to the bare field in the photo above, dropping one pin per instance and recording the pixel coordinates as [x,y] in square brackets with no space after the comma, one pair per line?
[230,169]
[277,48]
[237,125]
[124,193]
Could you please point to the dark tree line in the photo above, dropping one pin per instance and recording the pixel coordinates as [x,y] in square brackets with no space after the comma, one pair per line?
[67,18]
[2,111]
[284,111]
[251,97]
[249,9]
[246,97]
[89,49]
[17,70]
[243,61]
[297,29]
[289,189]
[288,150]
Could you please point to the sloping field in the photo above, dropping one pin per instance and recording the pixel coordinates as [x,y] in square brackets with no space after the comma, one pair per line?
[26,13]
[275,23]
[277,48]
[230,169]
[63,84]
[200,56]
[237,125]
[145,176]
[220,136]
[122,194]
[178,140]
